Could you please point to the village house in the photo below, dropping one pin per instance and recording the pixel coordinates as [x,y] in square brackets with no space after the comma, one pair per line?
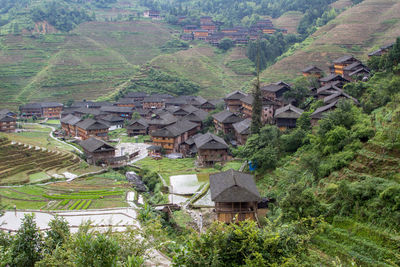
[223,121]
[8,113]
[41,110]
[206,20]
[200,35]
[286,117]
[210,27]
[137,127]
[171,137]
[154,102]
[159,121]
[242,131]
[68,124]
[211,149]
[235,195]
[92,128]
[356,67]
[8,124]
[197,116]
[329,89]
[188,29]
[319,112]
[381,51]
[128,102]
[332,78]
[232,101]
[112,121]
[123,112]
[339,95]
[153,14]
[136,96]
[84,112]
[342,62]
[97,151]
[268,108]
[312,71]
[187,37]
[205,105]
[180,111]
[275,91]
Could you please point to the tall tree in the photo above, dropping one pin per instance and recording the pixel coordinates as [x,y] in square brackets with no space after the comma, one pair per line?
[257,102]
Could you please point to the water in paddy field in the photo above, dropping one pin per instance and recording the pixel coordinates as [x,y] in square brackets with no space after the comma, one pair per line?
[205,200]
[185,184]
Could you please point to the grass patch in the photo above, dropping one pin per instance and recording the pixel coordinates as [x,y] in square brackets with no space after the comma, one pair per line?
[36,177]
[76,203]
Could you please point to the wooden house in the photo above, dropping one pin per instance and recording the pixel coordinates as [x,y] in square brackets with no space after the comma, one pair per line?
[319,112]
[235,196]
[287,116]
[181,111]
[312,71]
[171,137]
[349,71]
[201,35]
[342,62]
[136,96]
[159,121]
[339,95]
[128,102]
[153,14]
[328,89]
[97,151]
[232,101]
[137,127]
[187,37]
[196,116]
[206,20]
[112,121]
[31,110]
[361,74]
[275,91]
[123,112]
[211,149]
[188,29]
[242,131]
[381,51]
[51,110]
[68,124]
[268,108]
[92,128]
[8,124]
[93,112]
[333,78]
[224,120]
[8,113]
[153,102]
[210,27]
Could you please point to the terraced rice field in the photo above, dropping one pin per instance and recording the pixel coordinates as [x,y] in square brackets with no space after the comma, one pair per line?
[21,163]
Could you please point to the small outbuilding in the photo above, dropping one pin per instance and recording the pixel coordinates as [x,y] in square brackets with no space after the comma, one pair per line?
[235,194]
[97,151]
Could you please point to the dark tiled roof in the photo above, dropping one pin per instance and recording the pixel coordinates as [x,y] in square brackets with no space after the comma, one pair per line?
[133,124]
[196,116]
[233,186]
[151,99]
[226,116]
[112,118]
[92,144]
[210,141]
[91,124]
[275,87]
[248,99]
[333,77]
[334,97]
[31,106]
[92,111]
[317,114]
[288,112]
[116,109]
[360,70]
[344,59]
[163,119]
[70,119]
[354,66]
[6,118]
[50,104]
[235,95]
[175,129]
[311,69]
[242,127]
[329,87]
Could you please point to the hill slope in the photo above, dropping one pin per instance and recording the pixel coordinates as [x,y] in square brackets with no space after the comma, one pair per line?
[358,30]
[87,63]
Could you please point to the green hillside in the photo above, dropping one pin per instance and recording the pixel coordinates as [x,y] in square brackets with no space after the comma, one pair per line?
[357,31]
[87,63]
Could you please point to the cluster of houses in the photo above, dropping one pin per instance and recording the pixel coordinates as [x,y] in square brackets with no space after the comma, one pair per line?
[210,31]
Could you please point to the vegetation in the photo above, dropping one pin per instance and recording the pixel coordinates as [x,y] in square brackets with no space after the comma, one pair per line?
[57,246]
